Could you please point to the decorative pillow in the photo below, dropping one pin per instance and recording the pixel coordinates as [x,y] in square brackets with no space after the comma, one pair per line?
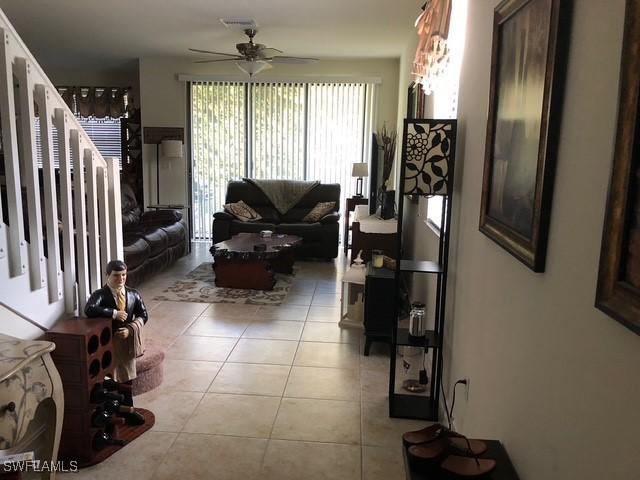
[242,211]
[320,210]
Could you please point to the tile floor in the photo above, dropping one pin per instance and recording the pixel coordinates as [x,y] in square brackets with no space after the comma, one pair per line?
[256,392]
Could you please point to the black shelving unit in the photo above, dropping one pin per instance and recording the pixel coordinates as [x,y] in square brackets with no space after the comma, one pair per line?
[427,169]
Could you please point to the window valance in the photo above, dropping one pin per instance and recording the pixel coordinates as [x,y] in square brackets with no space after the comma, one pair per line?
[432,54]
[97,102]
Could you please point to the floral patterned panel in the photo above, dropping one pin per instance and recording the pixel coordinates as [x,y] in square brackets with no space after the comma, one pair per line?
[427,148]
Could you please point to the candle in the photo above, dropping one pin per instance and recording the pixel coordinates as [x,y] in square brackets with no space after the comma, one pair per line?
[377,257]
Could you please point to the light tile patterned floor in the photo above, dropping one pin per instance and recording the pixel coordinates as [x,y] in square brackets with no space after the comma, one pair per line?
[274,393]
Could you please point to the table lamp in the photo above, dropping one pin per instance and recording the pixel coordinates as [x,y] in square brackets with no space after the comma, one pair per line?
[359,170]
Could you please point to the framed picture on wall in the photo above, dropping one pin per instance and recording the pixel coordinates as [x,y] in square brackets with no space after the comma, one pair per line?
[618,292]
[530,39]
[415,101]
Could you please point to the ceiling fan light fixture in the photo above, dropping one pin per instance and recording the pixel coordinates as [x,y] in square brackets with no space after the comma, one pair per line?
[252,67]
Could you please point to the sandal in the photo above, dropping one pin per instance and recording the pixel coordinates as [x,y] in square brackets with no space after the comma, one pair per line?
[426,435]
[440,456]
[436,431]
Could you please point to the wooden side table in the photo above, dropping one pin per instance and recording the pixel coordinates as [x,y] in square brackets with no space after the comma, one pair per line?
[371,241]
[350,207]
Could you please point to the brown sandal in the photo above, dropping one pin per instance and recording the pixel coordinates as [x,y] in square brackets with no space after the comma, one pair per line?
[425,435]
[441,456]
[436,431]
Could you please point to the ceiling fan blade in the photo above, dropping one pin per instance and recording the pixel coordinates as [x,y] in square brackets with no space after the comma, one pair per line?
[285,59]
[268,52]
[219,60]
[213,53]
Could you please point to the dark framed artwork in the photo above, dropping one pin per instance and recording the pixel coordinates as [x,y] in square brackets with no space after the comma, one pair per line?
[530,42]
[618,292]
[415,101]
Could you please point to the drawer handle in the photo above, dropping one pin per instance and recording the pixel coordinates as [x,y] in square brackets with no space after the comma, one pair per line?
[9,407]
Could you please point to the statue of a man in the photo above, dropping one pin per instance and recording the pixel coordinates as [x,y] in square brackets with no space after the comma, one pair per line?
[125,306]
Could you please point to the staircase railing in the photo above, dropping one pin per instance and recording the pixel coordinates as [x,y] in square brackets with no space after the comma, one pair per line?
[66,252]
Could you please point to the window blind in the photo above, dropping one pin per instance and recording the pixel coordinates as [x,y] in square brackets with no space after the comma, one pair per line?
[218,124]
[105,133]
[277,131]
[298,131]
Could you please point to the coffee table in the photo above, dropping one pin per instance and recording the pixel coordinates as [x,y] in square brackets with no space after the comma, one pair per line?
[249,261]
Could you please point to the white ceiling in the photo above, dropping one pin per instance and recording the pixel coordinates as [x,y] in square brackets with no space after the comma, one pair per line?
[93,33]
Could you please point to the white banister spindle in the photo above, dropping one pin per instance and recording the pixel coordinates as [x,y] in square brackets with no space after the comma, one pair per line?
[80,210]
[30,173]
[103,213]
[87,243]
[93,240]
[16,248]
[115,215]
[54,274]
[66,208]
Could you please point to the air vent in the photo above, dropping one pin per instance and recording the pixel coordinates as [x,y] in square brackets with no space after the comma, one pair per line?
[238,23]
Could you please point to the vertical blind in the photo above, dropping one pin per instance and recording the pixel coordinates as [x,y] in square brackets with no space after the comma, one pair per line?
[297,131]
[336,134]
[277,131]
[218,125]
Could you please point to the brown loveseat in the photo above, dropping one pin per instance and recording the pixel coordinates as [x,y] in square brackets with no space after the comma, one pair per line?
[152,240]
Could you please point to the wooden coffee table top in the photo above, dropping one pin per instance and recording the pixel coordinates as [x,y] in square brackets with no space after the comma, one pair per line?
[244,243]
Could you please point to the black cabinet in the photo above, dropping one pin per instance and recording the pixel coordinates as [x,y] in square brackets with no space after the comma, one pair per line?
[379,294]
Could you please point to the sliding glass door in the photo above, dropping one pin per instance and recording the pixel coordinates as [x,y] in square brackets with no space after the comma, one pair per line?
[336,134]
[297,131]
[218,143]
[278,113]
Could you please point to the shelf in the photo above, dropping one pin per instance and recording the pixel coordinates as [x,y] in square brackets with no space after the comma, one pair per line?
[411,406]
[420,266]
[402,338]
[380,272]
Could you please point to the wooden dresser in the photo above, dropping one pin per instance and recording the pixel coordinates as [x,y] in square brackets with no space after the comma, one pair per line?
[31,400]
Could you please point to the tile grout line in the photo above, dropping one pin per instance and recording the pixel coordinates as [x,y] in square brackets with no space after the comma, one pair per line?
[159,464]
[286,383]
[318,289]
[205,393]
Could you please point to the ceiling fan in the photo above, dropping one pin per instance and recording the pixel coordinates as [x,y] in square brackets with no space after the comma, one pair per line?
[254,57]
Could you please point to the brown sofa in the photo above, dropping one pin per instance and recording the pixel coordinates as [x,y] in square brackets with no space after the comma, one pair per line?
[153,240]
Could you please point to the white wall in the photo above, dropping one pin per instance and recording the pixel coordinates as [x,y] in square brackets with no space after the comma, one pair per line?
[551,376]
[163,104]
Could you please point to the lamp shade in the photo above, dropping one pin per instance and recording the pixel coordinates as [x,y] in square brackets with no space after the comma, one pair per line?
[171,148]
[252,67]
[360,170]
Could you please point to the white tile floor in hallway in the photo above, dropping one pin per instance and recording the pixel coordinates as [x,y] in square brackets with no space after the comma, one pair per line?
[274,393]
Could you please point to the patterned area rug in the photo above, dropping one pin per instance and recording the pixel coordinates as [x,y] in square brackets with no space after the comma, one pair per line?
[198,286]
